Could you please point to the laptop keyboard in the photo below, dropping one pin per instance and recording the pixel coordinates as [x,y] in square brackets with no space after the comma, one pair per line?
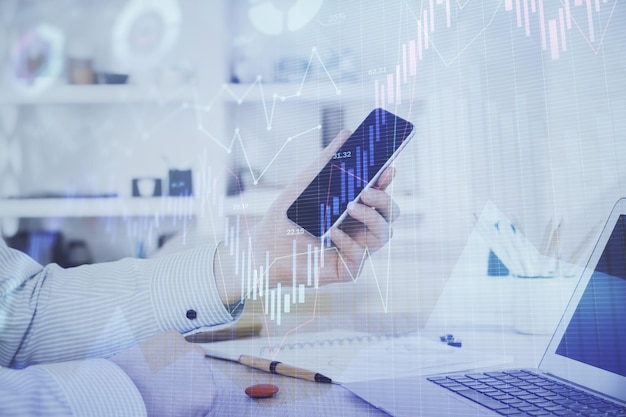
[527,393]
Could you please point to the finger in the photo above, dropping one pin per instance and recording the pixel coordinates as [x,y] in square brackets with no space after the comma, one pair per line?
[350,252]
[382,202]
[375,223]
[385,178]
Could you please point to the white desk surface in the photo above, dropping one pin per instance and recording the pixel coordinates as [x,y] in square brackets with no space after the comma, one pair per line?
[473,307]
[303,398]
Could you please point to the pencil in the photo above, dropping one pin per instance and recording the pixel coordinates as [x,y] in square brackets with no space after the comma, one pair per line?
[279,368]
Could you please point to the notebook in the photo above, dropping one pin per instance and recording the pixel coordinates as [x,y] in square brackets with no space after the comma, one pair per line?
[582,372]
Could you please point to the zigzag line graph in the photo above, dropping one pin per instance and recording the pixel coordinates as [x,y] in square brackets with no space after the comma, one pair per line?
[269,109]
[237,139]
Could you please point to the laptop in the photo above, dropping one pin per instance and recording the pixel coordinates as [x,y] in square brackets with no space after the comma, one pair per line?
[582,372]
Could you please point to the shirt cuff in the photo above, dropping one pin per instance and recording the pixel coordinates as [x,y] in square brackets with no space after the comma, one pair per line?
[184,293]
[97,387]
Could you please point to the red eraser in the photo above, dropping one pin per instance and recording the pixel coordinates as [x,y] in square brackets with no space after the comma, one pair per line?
[262,390]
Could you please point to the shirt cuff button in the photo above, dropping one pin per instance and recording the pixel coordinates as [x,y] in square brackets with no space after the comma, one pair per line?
[191,314]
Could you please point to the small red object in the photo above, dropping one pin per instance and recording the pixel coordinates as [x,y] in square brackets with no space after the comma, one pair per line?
[262,390]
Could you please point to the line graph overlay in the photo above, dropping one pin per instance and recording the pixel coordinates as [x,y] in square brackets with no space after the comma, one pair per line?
[269,104]
[237,139]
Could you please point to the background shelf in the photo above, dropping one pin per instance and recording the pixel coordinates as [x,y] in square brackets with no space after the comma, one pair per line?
[99,94]
[98,207]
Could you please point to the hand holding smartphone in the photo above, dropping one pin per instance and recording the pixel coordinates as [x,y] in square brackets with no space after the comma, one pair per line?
[356,166]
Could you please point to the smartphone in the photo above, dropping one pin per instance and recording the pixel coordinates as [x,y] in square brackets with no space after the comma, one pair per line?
[356,166]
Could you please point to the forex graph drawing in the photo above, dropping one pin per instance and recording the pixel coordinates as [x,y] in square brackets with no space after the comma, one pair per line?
[389,90]
[390,87]
[419,48]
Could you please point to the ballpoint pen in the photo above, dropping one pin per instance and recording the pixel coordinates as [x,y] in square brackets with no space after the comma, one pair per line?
[274,367]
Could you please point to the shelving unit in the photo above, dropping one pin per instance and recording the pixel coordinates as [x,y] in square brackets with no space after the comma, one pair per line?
[98,207]
[98,94]
[110,117]
[232,93]
[164,206]
[253,203]
[127,93]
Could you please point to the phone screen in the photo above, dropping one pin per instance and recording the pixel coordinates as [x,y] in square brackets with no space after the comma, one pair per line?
[356,164]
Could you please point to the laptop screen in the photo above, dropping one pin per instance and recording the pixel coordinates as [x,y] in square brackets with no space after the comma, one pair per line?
[589,345]
[596,334]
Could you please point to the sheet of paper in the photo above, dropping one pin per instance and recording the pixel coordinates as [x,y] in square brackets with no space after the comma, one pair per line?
[352,356]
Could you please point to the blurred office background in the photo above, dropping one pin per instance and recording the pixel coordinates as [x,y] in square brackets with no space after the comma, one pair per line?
[110,111]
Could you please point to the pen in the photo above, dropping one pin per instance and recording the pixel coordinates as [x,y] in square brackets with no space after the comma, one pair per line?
[276,367]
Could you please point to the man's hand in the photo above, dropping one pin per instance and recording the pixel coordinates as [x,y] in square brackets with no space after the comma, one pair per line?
[371,230]
[367,229]
[173,376]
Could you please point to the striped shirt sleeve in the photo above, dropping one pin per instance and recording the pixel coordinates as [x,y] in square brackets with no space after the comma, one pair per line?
[80,388]
[95,311]
[50,315]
